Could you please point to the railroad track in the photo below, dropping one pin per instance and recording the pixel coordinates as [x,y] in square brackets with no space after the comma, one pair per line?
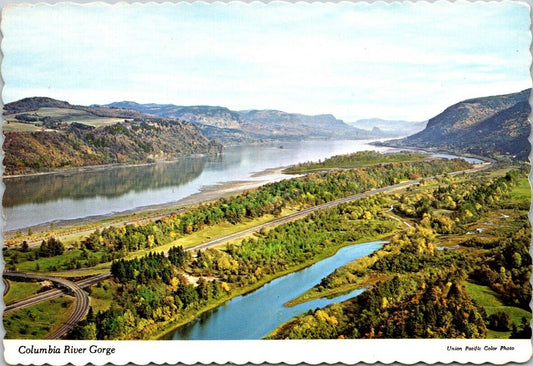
[81,302]
[307,211]
[50,294]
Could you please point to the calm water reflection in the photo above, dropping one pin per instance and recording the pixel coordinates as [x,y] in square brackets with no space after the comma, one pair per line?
[34,200]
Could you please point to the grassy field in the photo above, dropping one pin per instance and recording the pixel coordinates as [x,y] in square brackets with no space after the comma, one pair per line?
[20,290]
[61,114]
[522,192]
[13,126]
[487,298]
[36,321]
[95,121]
[49,264]
[84,272]
[101,295]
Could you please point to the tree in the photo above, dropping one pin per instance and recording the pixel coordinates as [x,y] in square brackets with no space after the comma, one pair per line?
[500,321]
[524,332]
[118,270]
[187,294]
[51,247]
[25,247]
[204,289]
[178,256]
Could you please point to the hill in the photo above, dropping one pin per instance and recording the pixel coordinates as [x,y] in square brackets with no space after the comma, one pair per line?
[43,134]
[490,126]
[392,128]
[269,123]
[44,105]
[220,117]
[237,127]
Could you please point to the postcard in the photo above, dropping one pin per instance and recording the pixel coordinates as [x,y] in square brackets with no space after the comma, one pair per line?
[232,182]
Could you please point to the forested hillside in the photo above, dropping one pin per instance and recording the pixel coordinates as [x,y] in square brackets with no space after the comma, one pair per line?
[490,126]
[42,134]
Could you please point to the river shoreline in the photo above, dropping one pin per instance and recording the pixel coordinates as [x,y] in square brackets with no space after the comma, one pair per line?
[205,194]
[105,191]
[152,211]
[95,168]
[171,327]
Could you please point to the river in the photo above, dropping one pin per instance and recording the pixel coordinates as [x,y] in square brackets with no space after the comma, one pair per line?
[255,315]
[41,199]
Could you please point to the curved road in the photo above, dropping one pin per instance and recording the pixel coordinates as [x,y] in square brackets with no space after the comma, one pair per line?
[50,294]
[6,286]
[82,300]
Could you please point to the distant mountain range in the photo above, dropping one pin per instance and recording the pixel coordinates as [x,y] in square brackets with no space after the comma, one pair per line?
[390,128]
[43,134]
[488,126]
[236,127]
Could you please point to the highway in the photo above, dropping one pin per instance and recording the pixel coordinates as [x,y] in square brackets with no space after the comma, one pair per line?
[50,294]
[300,214]
[82,300]
[307,211]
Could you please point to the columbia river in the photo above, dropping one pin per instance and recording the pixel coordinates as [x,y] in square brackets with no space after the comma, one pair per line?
[84,193]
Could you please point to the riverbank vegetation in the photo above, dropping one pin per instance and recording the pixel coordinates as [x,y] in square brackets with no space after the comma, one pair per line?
[114,242]
[356,160]
[470,236]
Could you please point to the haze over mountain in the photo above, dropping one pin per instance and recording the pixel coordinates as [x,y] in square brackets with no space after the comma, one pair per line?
[490,126]
[392,128]
[233,127]
[42,134]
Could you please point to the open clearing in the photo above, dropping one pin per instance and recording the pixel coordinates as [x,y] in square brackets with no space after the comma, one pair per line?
[36,321]
[20,290]
[487,298]
[60,114]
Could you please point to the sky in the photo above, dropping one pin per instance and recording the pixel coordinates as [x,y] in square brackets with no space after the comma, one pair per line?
[354,60]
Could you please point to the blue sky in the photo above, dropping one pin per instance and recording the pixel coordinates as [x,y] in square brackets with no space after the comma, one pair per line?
[354,60]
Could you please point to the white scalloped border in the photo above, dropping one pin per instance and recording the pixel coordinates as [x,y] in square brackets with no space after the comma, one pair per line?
[313,352]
